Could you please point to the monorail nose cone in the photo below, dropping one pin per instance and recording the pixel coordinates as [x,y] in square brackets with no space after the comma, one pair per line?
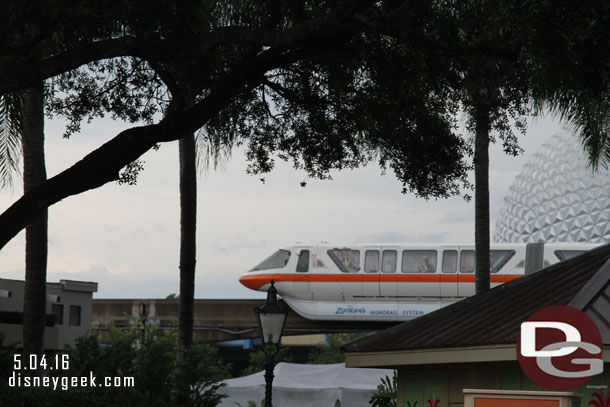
[253,282]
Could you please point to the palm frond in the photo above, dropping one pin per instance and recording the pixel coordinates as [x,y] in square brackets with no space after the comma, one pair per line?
[590,120]
[10,140]
[213,150]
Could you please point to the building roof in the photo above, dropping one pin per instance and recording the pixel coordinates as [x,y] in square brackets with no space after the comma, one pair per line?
[495,316]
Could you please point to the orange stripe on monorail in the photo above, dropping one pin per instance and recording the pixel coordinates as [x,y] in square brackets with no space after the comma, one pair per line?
[256,281]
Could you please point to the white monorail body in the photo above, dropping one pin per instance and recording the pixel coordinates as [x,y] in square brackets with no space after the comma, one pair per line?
[388,282]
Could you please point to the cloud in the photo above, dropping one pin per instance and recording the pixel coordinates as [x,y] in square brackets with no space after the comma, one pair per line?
[13,274]
[397,237]
[241,245]
[458,217]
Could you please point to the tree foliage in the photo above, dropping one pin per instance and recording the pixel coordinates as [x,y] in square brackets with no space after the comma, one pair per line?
[330,351]
[568,49]
[386,393]
[144,353]
[323,85]
[10,139]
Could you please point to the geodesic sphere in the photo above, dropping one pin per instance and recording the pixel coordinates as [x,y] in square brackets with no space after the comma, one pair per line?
[557,198]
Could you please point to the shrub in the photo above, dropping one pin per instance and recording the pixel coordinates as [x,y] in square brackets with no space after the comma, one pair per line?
[385,396]
[147,354]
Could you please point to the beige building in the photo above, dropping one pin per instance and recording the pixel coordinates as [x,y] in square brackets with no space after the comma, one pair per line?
[69,301]
[470,345]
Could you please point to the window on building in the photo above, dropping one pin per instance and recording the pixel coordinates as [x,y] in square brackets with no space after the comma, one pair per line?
[418,261]
[75,315]
[303,262]
[371,261]
[388,261]
[58,311]
[347,260]
[449,261]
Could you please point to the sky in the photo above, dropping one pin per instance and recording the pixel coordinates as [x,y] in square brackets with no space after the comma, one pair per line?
[126,238]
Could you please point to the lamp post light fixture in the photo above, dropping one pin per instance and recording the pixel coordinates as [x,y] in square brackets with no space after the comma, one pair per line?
[271,318]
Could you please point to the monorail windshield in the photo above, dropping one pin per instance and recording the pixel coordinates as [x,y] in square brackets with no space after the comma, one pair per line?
[347,260]
[277,260]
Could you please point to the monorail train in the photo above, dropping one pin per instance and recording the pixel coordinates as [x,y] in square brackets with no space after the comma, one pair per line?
[391,282]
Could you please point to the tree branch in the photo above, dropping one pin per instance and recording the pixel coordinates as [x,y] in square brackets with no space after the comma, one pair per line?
[282,91]
[103,165]
[30,72]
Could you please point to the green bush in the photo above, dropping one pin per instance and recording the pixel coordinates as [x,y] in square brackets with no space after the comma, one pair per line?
[331,351]
[149,355]
[258,358]
[385,396]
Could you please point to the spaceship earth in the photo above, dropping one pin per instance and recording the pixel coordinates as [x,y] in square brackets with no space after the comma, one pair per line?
[557,198]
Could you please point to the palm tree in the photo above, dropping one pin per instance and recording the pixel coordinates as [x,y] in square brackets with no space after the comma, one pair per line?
[189,149]
[22,128]
[481,196]
[573,71]
[203,151]
[34,173]
[494,91]
[188,238]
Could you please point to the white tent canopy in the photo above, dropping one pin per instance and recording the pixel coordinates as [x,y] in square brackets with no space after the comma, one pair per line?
[296,385]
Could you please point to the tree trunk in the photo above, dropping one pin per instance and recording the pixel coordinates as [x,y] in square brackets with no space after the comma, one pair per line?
[34,173]
[188,244]
[481,193]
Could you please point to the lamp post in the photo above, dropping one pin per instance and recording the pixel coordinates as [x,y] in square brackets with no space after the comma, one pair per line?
[270,318]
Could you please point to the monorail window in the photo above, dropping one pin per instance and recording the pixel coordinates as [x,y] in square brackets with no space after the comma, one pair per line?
[371,261]
[449,261]
[418,261]
[303,262]
[467,261]
[388,261]
[347,260]
[499,258]
[567,254]
[277,260]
